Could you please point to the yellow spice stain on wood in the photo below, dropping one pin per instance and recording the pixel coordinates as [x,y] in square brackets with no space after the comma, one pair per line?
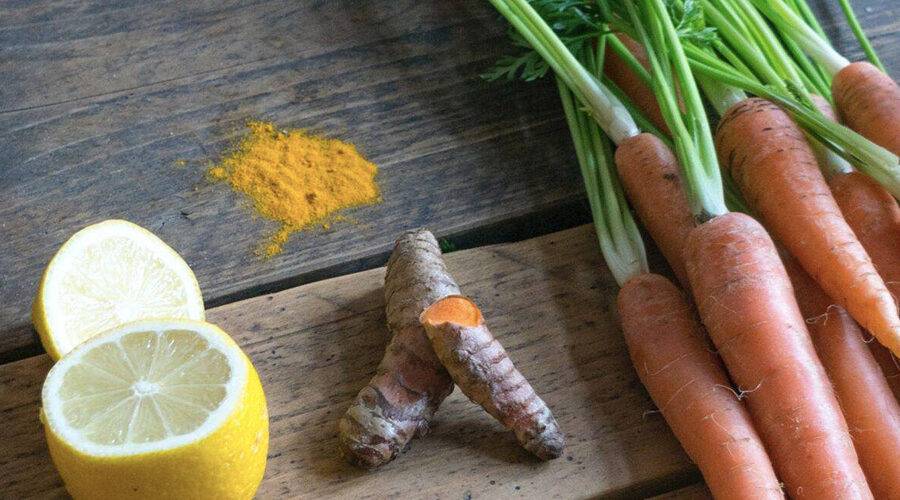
[296,178]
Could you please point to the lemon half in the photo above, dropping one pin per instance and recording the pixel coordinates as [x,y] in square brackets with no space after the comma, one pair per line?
[108,274]
[157,409]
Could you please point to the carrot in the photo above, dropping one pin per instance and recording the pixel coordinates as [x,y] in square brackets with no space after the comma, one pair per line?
[746,301]
[617,70]
[869,103]
[641,173]
[642,170]
[692,391]
[775,169]
[649,173]
[890,366]
[872,413]
[874,216]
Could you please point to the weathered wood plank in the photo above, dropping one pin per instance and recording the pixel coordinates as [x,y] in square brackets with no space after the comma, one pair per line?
[549,300]
[98,100]
[695,492]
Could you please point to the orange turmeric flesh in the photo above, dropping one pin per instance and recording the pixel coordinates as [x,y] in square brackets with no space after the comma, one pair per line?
[454,309]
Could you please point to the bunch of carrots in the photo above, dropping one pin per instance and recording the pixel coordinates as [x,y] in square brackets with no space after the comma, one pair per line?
[775,360]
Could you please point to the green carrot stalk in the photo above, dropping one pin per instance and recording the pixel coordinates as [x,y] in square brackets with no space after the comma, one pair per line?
[802,8]
[691,133]
[791,23]
[721,96]
[589,106]
[860,34]
[782,86]
[634,65]
[872,159]
[640,119]
[620,240]
[605,108]
[780,69]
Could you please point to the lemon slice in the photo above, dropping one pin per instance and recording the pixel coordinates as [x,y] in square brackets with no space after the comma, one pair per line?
[108,274]
[157,409]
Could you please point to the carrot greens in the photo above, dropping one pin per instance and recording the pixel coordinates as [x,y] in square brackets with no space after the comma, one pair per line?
[860,34]
[591,108]
[691,133]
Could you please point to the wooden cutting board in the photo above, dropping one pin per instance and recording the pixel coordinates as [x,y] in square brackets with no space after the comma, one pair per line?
[549,300]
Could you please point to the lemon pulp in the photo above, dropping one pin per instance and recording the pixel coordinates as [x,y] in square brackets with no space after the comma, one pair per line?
[142,390]
[109,274]
[157,409]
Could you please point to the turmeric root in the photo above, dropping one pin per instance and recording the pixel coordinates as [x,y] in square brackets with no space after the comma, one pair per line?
[410,383]
[483,371]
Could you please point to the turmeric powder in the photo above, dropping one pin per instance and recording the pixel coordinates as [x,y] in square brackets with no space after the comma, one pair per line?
[297,179]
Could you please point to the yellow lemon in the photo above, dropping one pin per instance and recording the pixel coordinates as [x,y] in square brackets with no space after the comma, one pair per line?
[157,409]
[108,274]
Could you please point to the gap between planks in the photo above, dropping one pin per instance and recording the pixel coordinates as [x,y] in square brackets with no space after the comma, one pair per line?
[550,300]
[560,217]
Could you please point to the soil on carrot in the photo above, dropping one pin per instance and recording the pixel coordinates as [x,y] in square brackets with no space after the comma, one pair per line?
[297,179]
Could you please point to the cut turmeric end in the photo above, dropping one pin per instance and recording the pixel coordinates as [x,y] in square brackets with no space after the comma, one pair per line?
[453,309]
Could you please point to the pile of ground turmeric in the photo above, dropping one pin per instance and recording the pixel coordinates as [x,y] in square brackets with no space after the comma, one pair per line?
[297,179]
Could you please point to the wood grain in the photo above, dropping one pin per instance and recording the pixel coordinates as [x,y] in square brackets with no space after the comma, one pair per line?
[695,492]
[549,300]
[98,100]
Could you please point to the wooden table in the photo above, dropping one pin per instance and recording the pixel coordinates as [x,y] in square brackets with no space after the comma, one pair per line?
[114,110]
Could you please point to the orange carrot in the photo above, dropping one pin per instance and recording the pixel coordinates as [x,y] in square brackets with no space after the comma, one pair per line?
[875,218]
[649,173]
[668,346]
[870,408]
[692,391]
[775,169]
[746,301]
[890,366]
[617,70]
[869,103]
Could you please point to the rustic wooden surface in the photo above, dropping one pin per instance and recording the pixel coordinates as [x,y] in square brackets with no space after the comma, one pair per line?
[549,300]
[695,492]
[99,100]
